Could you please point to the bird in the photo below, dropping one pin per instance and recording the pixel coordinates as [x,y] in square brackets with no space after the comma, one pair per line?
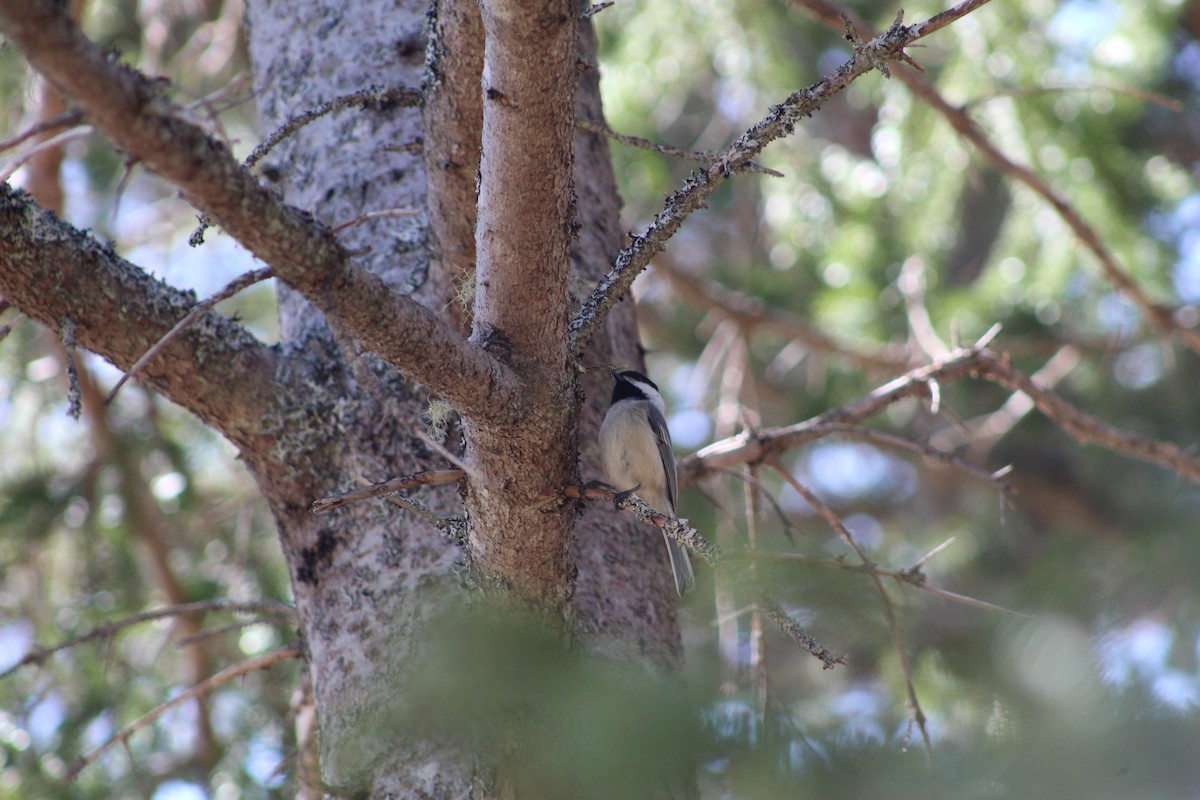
[635,450]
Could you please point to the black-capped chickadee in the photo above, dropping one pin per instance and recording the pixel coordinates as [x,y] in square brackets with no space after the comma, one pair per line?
[635,447]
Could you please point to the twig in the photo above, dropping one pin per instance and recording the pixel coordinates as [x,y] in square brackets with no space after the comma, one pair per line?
[595,9]
[779,122]
[797,634]
[327,504]
[370,215]
[410,504]
[234,286]
[976,361]
[236,625]
[204,687]
[925,559]
[54,141]
[705,156]
[911,576]
[6,329]
[912,286]
[66,119]
[682,532]
[744,475]
[1085,428]
[928,451]
[110,629]
[74,396]
[371,96]
[983,432]
[889,611]
[939,21]
[445,453]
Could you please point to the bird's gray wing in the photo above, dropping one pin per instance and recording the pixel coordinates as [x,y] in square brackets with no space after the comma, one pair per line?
[662,437]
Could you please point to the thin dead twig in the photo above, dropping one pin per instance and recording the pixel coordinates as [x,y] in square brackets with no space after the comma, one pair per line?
[67,119]
[370,96]
[6,329]
[682,532]
[110,629]
[430,478]
[234,286]
[704,156]
[910,576]
[978,362]
[370,215]
[995,478]
[204,687]
[1085,428]
[889,611]
[71,135]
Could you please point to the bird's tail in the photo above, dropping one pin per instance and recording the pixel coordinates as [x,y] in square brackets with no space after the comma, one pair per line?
[681,566]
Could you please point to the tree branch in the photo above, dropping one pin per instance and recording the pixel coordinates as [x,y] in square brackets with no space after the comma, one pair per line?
[109,629]
[889,611]
[204,687]
[216,369]
[765,446]
[705,156]
[779,122]
[131,111]
[234,286]
[525,213]
[453,108]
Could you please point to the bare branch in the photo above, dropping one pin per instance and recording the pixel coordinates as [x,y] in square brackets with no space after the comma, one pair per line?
[66,119]
[204,687]
[234,286]
[681,531]
[889,611]
[27,155]
[52,271]
[939,21]
[929,452]
[372,96]
[911,576]
[780,122]
[766,445]
[706,156]
[7,328]
[109,629]
[1087,429]
[327,504]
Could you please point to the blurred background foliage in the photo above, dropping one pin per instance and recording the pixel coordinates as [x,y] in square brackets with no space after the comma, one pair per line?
[884,215]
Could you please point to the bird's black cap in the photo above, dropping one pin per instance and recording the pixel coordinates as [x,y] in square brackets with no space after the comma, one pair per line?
[626,389]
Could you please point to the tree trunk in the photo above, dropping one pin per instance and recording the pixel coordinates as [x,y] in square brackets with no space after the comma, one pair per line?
[366,578]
